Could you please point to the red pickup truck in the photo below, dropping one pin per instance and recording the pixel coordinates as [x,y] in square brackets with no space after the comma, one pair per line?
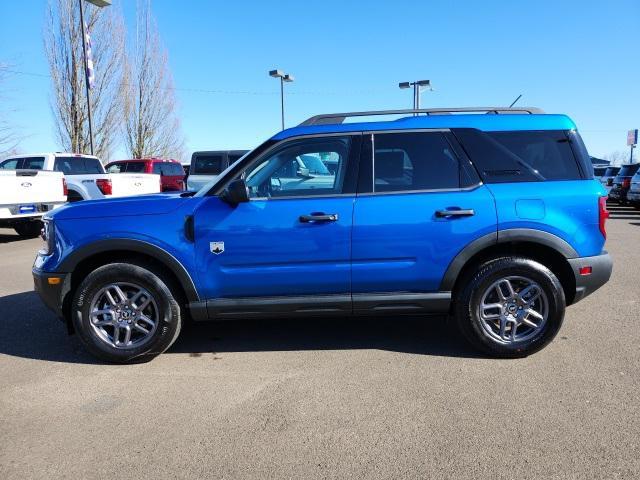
[170,171]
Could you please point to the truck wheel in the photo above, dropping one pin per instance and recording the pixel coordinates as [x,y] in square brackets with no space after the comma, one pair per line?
[74,196]
[510,307]
[29,229]
[126,313]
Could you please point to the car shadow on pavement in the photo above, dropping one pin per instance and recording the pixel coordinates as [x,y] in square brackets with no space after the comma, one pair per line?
[417,335]
[8,238]
[30,330]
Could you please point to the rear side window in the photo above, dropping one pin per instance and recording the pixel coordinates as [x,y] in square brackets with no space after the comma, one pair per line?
[13,164]
[32,163]
[208,164]
[414,161]
[77,165]
[520,156]
[116,168]
[234,157]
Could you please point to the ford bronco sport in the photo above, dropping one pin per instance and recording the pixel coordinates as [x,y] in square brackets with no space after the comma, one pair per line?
[488,215]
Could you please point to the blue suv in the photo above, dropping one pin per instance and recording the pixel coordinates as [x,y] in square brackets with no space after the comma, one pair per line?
[488,215]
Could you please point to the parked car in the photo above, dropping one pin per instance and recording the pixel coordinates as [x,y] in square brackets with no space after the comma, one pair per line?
[206,166]
[493,219]
[170,171]
[633,196]
[622,183]
[607,177]
[599,171]
[25,195]
[85,176]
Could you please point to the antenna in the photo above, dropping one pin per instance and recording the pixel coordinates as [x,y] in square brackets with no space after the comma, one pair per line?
[515,101]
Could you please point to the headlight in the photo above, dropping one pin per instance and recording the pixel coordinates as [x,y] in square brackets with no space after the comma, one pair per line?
[48,236]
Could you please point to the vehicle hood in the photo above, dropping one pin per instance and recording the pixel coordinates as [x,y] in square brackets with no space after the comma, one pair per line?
[153,204]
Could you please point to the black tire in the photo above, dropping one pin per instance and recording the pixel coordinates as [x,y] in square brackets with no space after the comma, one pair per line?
[169,315]
[30,229]
[469,298]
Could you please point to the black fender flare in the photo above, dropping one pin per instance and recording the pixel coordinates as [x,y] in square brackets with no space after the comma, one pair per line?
[503,236]
[136,246]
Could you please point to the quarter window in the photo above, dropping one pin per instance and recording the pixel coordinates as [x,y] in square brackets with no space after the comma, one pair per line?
[520,156]
[414,161]
[300,169]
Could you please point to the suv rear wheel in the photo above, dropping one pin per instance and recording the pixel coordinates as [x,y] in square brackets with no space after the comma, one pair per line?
[126,313]
[510,307]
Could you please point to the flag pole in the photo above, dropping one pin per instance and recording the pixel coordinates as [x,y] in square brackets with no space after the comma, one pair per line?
[86,74]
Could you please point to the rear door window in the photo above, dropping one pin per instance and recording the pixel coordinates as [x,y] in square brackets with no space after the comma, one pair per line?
[33,163]
[520,156]
[208,164]
[77,166]
[414,161]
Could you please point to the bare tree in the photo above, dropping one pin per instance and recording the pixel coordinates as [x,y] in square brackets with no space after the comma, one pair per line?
[152,128]
[63,45]
[8,137]
[618,157]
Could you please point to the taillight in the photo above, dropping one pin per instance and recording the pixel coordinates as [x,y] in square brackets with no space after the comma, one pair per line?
[603,214]
[65,190]
[626,183]
[105,186]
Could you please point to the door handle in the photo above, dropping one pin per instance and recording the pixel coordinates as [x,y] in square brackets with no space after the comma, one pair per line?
[319,217]
[455,213]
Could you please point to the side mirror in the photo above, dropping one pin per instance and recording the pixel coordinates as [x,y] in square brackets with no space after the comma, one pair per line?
[236,192]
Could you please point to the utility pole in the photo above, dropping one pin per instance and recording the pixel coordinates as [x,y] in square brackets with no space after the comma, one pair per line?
[97,3]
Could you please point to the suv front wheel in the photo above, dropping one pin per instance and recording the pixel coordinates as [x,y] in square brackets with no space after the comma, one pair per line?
[126,313]
[510,307]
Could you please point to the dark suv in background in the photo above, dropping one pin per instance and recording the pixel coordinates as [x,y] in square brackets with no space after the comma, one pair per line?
[622,183]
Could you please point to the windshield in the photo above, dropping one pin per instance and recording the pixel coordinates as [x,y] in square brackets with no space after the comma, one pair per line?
[628,170]
[78,166]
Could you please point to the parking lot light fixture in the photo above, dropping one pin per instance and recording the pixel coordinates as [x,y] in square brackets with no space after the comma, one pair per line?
[418,86]
[284,77]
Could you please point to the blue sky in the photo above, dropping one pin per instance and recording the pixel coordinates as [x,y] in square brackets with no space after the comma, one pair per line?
[574,57]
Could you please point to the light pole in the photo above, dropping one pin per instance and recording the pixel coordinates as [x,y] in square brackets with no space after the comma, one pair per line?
[284,77]
[418,86]
[97,3]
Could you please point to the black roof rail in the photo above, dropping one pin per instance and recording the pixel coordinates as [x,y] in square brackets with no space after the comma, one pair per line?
[329,118]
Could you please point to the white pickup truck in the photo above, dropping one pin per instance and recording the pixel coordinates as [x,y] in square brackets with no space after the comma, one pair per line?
[25,195]
[85,175]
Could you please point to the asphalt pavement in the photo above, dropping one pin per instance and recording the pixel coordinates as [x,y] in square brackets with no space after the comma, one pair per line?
[369,398]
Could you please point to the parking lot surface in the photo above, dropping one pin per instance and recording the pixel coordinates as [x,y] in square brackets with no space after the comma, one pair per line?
[368,398]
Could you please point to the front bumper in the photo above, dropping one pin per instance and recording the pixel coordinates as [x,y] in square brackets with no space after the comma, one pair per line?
[52,288]
[601,268]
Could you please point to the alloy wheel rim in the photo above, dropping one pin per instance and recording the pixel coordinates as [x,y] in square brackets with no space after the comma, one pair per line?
[513,309]
[124,315]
